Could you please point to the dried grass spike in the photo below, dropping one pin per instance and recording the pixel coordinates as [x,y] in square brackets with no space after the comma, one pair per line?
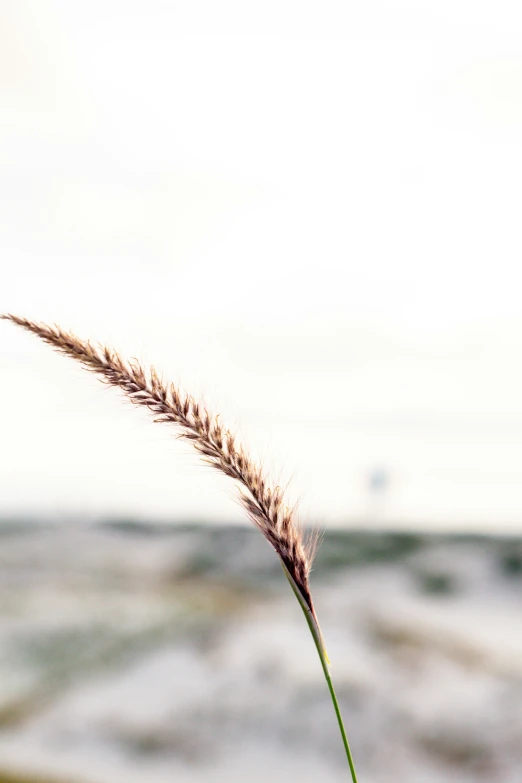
[264,505]
[216,445]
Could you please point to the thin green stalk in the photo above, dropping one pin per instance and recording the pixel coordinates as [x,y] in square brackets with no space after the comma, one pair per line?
[319,643]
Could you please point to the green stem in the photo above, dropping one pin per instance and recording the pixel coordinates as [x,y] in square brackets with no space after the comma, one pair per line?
[319,643]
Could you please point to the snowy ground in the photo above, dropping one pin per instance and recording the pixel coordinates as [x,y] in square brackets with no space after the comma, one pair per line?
[136,654]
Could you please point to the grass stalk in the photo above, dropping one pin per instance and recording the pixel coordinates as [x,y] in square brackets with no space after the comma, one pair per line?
[265,504]
[317,636]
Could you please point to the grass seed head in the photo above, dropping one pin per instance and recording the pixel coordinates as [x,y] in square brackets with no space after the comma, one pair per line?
[265,505]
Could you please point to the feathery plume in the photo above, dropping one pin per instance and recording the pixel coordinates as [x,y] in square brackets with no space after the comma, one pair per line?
[264,504]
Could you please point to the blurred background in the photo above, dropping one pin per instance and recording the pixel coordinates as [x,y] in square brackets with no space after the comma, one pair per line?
[308,215]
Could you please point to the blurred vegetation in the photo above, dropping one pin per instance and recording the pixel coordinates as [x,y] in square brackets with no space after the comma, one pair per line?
[436,583]
[129,587]
[342,548]
[511,560]
[241,549]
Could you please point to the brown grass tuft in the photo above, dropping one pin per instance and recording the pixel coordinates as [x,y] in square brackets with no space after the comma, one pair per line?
[264,504]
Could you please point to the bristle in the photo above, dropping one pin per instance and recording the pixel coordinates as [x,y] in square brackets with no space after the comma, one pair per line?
[265,505]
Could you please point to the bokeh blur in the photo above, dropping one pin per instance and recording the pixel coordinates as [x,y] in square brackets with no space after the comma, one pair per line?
[309,215]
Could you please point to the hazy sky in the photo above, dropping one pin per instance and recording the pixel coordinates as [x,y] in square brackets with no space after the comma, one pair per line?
[308,213]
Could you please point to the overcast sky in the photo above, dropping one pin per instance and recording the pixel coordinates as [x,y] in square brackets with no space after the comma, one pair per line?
[308,213]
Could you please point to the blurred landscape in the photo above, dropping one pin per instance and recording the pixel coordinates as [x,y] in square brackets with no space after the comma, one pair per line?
[133,651]
[307,215]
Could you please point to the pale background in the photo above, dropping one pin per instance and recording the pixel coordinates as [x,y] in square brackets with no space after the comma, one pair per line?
[308,213]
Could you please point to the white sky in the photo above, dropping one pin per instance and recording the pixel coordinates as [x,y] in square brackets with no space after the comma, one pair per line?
[309,213]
